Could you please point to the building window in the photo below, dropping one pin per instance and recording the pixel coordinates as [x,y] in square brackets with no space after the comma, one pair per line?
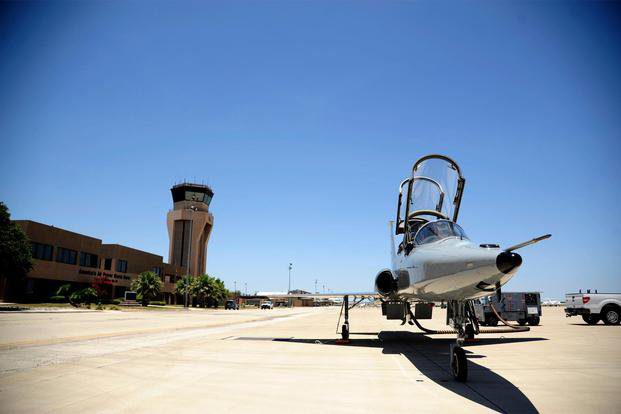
[157,271]
[88,259]
[66,256]
[121,266]
[108,264]
[41,251]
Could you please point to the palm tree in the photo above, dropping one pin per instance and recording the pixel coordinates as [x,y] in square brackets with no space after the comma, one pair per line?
[148,285]
[185,284]
[203,289]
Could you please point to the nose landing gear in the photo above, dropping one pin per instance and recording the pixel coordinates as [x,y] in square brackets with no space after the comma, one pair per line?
[460,315]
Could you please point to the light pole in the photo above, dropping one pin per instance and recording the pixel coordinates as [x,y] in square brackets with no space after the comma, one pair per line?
[289,289]
[290,267]
[235,287]
[187,273]
[316,286]
[245,288]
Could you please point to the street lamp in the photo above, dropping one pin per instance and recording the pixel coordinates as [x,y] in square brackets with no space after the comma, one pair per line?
[289,290]
[290,267]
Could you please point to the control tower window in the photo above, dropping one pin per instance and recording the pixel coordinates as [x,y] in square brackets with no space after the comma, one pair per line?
[194,196]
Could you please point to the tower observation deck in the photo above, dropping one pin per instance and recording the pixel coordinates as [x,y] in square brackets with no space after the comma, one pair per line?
[189,226]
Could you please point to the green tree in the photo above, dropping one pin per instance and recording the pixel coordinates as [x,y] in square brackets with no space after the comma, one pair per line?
[148,285]
[210,291]
[15,251]
[220,293]
[203,288]
[183,285]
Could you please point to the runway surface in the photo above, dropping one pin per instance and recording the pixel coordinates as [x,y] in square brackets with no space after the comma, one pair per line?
[287,360]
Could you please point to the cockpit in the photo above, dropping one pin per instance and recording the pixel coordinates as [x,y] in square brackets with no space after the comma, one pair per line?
[429,202]
[438,230]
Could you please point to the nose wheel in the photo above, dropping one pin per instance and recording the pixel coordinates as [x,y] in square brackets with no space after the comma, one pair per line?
[460,314]
[459,364]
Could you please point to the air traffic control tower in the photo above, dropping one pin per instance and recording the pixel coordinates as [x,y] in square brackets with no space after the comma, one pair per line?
[189,226]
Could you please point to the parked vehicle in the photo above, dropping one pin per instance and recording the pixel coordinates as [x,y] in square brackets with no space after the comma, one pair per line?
[231,304]
[593,307]
[267,304]
[523,307]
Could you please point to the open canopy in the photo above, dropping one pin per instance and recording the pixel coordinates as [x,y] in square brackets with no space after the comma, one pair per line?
[433,191]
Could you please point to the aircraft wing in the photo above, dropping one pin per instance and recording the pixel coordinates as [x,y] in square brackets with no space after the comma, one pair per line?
[321,295]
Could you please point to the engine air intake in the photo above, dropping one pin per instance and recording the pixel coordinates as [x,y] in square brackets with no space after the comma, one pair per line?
[385,283]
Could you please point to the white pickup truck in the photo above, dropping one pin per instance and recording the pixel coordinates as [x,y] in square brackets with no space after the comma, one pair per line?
[594,307]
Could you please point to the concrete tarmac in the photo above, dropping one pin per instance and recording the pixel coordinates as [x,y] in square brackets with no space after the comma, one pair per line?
[287,360]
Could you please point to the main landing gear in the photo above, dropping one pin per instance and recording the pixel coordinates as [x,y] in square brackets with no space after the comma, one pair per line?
[345,314]
[345,327]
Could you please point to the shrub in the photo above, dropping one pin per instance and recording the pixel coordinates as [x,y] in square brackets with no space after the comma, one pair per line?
[64,291]
[84,296]
[58,299]
[100,306]
[117,301]
[114,308]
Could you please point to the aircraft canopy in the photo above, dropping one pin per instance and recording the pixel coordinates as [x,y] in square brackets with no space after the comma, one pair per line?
[433,191]
[436,185]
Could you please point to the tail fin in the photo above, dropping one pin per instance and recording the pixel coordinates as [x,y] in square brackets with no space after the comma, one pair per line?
[393,253]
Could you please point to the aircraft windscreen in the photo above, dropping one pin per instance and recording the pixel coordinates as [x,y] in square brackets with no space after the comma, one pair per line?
[439,230]
[437,190]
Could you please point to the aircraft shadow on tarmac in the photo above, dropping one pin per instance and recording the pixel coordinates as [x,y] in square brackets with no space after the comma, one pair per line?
[431,356]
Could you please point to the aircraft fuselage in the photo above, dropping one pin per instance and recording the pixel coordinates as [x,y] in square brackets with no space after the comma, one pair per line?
[449,269]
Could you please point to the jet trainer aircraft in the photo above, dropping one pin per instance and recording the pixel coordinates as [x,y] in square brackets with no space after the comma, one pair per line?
[435,261]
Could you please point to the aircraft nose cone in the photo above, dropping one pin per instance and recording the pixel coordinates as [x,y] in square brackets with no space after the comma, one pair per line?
[507,261]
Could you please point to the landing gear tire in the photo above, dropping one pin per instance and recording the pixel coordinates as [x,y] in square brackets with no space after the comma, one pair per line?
[610,316]
[533,321]
[591,319]
[469,331]
[459,364]
[345,332]
[521,322]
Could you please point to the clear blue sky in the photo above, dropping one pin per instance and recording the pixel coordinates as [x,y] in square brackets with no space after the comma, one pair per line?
[304,117]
